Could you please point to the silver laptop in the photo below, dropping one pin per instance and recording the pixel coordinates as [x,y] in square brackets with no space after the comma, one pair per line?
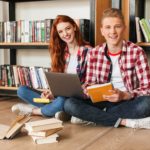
[64,84]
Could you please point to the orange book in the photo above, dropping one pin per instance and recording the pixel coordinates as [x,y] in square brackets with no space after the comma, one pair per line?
[97,91]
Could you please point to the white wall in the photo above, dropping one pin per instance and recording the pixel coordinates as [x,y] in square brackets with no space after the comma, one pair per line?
[4,55]
[43,10]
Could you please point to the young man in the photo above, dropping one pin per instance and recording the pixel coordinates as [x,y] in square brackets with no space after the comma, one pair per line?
[125,65]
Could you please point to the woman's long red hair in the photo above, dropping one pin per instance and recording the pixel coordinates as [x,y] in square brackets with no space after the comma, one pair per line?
[57,46]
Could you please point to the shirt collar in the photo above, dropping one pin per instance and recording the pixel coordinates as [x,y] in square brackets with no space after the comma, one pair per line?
[124,47]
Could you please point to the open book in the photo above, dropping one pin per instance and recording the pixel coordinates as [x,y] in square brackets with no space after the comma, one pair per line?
[97,91]
[15,127]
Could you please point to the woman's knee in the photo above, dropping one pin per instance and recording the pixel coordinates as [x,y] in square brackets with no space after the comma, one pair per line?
[22,90]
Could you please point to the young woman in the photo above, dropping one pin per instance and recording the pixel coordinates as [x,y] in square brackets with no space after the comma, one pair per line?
[68,54]
[125,65]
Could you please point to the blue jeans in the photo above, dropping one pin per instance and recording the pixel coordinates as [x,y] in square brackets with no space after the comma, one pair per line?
[86,110]
[27,94]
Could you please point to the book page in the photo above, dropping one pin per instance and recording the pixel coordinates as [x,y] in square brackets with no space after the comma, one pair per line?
[3,130]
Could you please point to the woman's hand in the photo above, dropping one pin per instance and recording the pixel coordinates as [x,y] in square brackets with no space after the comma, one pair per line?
[47,94]
[117,96]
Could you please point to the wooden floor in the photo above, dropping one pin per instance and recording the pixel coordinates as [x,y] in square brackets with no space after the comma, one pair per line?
[76,137]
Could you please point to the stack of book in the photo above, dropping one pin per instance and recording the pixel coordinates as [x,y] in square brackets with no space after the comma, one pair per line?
[44,131]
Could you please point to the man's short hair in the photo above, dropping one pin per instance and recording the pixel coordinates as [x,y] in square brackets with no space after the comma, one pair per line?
[112,12]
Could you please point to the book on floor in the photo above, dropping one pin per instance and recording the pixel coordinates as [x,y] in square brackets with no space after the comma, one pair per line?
[3,130]
[15,127]
[44,124]
[43,140]
[44,133]
[97,91]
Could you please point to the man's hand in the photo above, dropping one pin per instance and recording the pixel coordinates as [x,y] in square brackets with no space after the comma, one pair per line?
[117,96]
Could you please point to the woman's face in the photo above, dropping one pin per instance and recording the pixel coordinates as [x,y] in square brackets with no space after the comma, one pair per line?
[66,32]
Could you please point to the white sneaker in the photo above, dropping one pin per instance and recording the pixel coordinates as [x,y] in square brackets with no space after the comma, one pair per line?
[22,109]
[75,120]
[138,123]
[61,115]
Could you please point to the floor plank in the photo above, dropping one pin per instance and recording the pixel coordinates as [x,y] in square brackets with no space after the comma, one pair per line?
[76,137]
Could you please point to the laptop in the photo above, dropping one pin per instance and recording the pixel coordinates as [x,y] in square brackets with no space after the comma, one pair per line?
[64,84]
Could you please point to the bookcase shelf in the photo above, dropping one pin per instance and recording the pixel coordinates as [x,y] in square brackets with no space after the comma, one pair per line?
[96,9]
[33,45]
[8,88]
[13,88]
[143,44]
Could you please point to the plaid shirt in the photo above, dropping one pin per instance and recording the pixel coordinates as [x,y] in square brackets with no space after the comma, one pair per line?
[133,64]
[82,61]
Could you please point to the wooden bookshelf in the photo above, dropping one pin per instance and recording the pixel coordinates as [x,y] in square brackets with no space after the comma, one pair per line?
[15,88]
[132,9]
[143,44]
[96,9]
[8,88]
[18,45]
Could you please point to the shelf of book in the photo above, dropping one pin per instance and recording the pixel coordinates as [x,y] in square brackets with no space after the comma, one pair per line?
[143,44]
[15,88]
[18,45]
[8,88]
[95,13]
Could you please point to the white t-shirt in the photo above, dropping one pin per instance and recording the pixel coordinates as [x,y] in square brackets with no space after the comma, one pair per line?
[72,64]
[116,78]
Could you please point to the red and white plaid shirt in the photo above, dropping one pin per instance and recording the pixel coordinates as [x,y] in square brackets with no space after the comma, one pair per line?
[81,59]
[133,64]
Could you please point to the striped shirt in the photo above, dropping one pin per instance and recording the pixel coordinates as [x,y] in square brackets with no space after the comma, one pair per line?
[133,65]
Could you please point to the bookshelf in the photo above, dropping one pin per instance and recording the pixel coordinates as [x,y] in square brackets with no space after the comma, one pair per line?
[144,44]
[132,9]
[32,45]
[96,9]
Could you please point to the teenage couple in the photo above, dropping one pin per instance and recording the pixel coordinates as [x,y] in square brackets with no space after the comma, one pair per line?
[120,62]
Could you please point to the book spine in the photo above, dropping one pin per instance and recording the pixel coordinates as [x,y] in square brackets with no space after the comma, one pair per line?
[145,30]
[19,31]
[26,31]
[42,31]
[22,30]
[138,31]
[85,29]
[1,31]
[48,25]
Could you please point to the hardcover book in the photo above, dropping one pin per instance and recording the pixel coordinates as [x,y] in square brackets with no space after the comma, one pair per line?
[9,132]
[49,139]
[97,91]
[145,30]
[84,26]
[44,133]
[44,124]
[138,30]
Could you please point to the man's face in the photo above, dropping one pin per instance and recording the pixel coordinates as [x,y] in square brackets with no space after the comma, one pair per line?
[112,29]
